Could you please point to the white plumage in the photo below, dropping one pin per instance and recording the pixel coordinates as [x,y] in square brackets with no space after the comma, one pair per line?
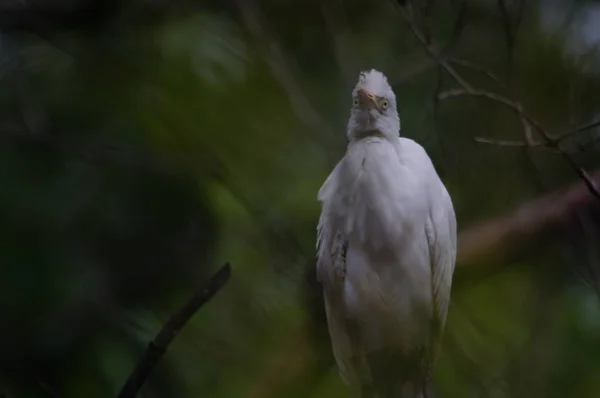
[386,251]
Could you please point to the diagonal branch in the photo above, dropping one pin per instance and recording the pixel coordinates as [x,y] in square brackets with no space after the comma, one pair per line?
[580,129]
[509,143]
[493,238]
[467,89]
[432,49]
[518,106]
[475,67]
[493,97]
[550,142]
[157,348]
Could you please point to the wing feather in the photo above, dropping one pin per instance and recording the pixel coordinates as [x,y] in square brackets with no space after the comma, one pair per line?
[331,253]
[441,235]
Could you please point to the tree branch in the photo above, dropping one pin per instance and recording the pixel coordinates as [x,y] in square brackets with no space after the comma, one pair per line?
[580,129]
[467,89]
[157,348]
[432,49]
[475,67]
[492,97]
[518,106]
[482,140]
[493,238]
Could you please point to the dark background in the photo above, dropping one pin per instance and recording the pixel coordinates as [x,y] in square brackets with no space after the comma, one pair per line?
[144,143]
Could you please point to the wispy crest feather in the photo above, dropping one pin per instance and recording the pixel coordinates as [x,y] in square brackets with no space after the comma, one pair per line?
[375,82]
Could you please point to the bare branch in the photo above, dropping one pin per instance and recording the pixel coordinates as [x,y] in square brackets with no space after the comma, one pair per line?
[587,145]
[519,107]
[501,235]
[158,347]
[432,49]
[475,67]
[467,89]
[482,140]
[412,68]
[526,125]
[515,144]
[589,182]
[581,172]
[493,97]
[580,129]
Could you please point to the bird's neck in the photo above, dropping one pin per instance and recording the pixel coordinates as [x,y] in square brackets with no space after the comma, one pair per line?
[368,133]
[358,136]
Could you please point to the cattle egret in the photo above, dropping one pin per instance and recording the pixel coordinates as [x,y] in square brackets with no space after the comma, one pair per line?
[386,252]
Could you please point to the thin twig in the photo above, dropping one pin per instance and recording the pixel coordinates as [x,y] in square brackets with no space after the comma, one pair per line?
[518,106]
[431,49]
[526,125]
[515,144]
[585,176]
[511,35]
[494,97]
[467,89]
[475,67]
[580,129]
[510,143]
[581,172]
[587,146]
[157,348]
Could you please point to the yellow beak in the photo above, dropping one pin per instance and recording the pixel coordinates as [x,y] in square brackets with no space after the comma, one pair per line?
[367,97]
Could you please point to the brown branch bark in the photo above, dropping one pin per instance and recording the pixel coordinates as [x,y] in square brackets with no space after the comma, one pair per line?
[158,347]
[492,240]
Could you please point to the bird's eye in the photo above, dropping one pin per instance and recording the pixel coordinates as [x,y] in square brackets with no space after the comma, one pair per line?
[355,101]
[384,104]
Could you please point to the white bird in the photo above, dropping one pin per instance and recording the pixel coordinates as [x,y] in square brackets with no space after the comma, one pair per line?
[386,252]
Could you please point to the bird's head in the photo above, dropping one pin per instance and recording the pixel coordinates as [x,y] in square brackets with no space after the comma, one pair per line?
[373,107]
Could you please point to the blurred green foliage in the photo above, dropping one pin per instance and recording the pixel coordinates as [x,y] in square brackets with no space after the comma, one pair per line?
[145,143]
